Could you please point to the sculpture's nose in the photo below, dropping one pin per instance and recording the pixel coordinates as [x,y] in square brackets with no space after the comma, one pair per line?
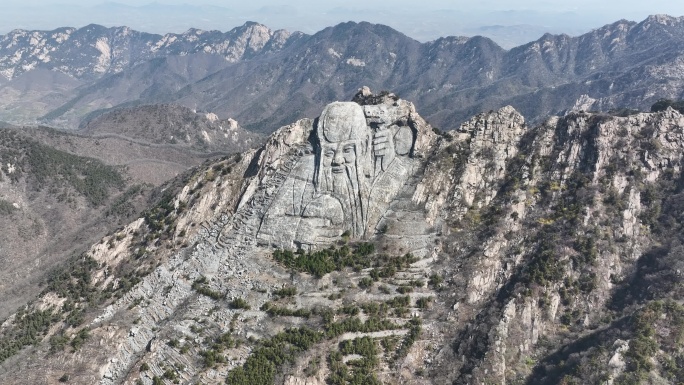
[338,159]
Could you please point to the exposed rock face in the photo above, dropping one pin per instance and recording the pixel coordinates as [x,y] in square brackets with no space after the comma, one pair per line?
[536,255]
[172,125]
[380,141]
[111,50]
[355,162]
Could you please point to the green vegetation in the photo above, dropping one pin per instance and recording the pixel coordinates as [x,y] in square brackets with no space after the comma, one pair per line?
[122,206]
[170,374]
[58,342]
[545,267]
[275,311]
[424,302]
[386,266]
[49,167]
[320,263]
[354,372]
[286,291]
[366,282]
[161,219]
[271,354]
[435,280]
[404,289]
[646,343]
[239,303]
[28,328]
[214,355]
[313,367]
[201,286]
[416,327]
[72,281]
[6,207]
[80,338]
[354,324]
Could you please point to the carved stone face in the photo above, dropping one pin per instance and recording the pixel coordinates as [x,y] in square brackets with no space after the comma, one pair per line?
[344,137]
[339,156]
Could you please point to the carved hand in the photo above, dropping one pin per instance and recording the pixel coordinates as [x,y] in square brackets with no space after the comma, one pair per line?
[383,149]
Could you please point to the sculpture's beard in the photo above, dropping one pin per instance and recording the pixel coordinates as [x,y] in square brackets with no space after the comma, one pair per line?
[345,187]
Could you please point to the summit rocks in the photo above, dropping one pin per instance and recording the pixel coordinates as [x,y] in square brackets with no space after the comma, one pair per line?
[366,244]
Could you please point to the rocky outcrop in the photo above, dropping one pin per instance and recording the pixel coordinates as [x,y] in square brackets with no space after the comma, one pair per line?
[354,163]
[496,253]
[375,139]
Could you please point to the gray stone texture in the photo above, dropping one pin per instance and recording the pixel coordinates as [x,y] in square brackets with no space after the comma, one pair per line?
[353,163]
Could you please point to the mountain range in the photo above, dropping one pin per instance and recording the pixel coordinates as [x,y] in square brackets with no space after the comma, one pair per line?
[499,252]
[530,233]
[265,79]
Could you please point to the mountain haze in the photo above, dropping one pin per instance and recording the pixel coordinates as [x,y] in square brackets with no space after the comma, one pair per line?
[265,78]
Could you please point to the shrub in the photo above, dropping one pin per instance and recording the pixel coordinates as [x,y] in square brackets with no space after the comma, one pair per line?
[286,291]
[365,282]
[322,262]
[435,280]
[6,207]
[200,286]
[260,368]
[239,303]
[424,302]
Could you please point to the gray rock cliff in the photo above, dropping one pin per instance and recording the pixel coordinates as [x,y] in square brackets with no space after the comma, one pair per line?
[497,253]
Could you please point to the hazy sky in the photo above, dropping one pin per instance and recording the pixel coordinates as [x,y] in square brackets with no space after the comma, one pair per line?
[507,22]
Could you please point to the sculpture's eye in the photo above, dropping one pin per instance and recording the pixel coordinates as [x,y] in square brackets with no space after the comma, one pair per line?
[349,149]
[330,153]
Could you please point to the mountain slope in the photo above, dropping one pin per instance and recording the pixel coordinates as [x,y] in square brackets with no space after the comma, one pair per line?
[499,252]
[61,191]
[94,50]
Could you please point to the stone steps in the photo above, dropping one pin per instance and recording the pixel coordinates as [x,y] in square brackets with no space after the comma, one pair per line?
[245,223]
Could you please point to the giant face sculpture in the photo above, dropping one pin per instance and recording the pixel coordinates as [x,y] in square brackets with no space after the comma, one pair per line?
[348,183]
[344,138]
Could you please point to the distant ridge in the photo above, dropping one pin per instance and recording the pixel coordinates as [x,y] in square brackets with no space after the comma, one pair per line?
[266,78]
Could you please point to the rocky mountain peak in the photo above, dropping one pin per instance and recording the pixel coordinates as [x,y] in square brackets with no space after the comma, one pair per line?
[364,244]
[352,162]
[664,19]
[623,64]
[94,51]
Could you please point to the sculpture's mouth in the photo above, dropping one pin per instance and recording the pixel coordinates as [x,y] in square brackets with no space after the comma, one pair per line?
[337,169]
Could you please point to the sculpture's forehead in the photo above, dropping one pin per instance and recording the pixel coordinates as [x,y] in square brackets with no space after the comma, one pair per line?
[342,108]
[342,121]
[340,144]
